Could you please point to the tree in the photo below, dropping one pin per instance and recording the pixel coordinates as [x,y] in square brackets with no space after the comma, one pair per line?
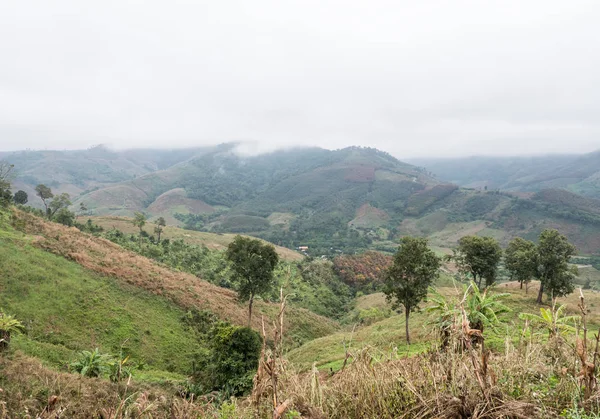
[139,220]
[158,229]
[5,178]
[478,256]
[414,268]
[65,217]
[233,360]
[253,263]
[552,265]
[59,202]
[520,260]
[8,326]
[21,198]
[45,193]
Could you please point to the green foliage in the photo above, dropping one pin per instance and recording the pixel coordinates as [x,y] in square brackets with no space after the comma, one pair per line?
[67,308]
[552,260]
[158,229]
[91,363]
[414,268]
[5,179]
[483,308]
[553,319]
[64,216]
[420,201]
[59,202]
[520,260]
[253,263]
[8,326]
[479,257]
[481,204]
[20,198]
[233,360]
[44,193]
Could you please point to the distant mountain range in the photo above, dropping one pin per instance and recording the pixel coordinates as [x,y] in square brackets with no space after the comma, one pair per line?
[576,173]
[331,201]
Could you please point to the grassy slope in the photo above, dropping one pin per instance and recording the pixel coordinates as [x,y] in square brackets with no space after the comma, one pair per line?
[388,336]
[67,308]
[185,290]
[211,240]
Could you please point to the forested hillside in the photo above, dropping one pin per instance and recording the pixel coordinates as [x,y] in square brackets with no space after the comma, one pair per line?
[332,202]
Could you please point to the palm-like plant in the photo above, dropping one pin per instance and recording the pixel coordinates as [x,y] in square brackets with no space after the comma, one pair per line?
[481,309]
[552,319]
[8,325]
[91,363]
[484,307]
[443,314]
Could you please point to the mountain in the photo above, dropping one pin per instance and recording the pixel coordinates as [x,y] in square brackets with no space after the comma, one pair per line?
[346,200]
[79,171]
[577,173]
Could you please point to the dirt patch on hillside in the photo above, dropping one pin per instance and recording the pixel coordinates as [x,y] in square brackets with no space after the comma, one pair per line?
[177,198]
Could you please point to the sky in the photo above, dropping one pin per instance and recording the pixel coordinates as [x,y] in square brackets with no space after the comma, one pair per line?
[414,78]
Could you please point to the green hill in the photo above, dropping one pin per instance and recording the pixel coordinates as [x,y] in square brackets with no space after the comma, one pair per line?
[346,200]
[577,173]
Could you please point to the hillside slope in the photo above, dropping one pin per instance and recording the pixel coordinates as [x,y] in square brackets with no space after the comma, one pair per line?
[101,258]
[577,173]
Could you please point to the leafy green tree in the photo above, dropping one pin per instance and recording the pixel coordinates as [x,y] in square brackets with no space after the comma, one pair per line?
[233,359]
[479,257]
[520,260]
[21,198]
[414,268]
[552,319]
[91,363]
[8,326]
[64,216]
[45,193]
[58,203]
[158,229]
[139,220]
[5,179]
[552,265]
[253,263]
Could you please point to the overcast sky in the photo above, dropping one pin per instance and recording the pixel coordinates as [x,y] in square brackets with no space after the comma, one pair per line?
[414,78]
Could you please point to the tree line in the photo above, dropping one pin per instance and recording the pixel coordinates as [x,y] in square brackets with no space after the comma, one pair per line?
[416,266]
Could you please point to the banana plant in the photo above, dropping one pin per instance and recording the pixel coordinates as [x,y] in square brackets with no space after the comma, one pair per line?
[552,319]
[8,326]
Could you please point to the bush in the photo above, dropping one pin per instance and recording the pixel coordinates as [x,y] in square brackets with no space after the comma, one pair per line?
[233,360]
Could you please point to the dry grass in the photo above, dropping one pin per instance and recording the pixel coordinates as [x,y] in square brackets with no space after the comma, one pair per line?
[186,290]
[30,390]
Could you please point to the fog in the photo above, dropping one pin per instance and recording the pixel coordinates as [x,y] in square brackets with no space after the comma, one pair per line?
[427,78]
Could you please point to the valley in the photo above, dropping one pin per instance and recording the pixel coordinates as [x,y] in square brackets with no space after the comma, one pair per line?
[160,296]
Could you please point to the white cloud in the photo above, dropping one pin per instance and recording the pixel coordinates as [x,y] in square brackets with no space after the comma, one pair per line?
[413,78]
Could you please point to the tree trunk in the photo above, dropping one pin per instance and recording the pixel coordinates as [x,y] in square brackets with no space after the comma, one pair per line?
[526,287]
[250,310]
[159,231]
[540,293]
[521,284]
[407,314]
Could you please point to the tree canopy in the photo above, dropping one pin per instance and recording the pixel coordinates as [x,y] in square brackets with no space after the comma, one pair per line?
[253,263]
[479,257]
[21,198]
[552,265]
[519,260]
[414,268]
